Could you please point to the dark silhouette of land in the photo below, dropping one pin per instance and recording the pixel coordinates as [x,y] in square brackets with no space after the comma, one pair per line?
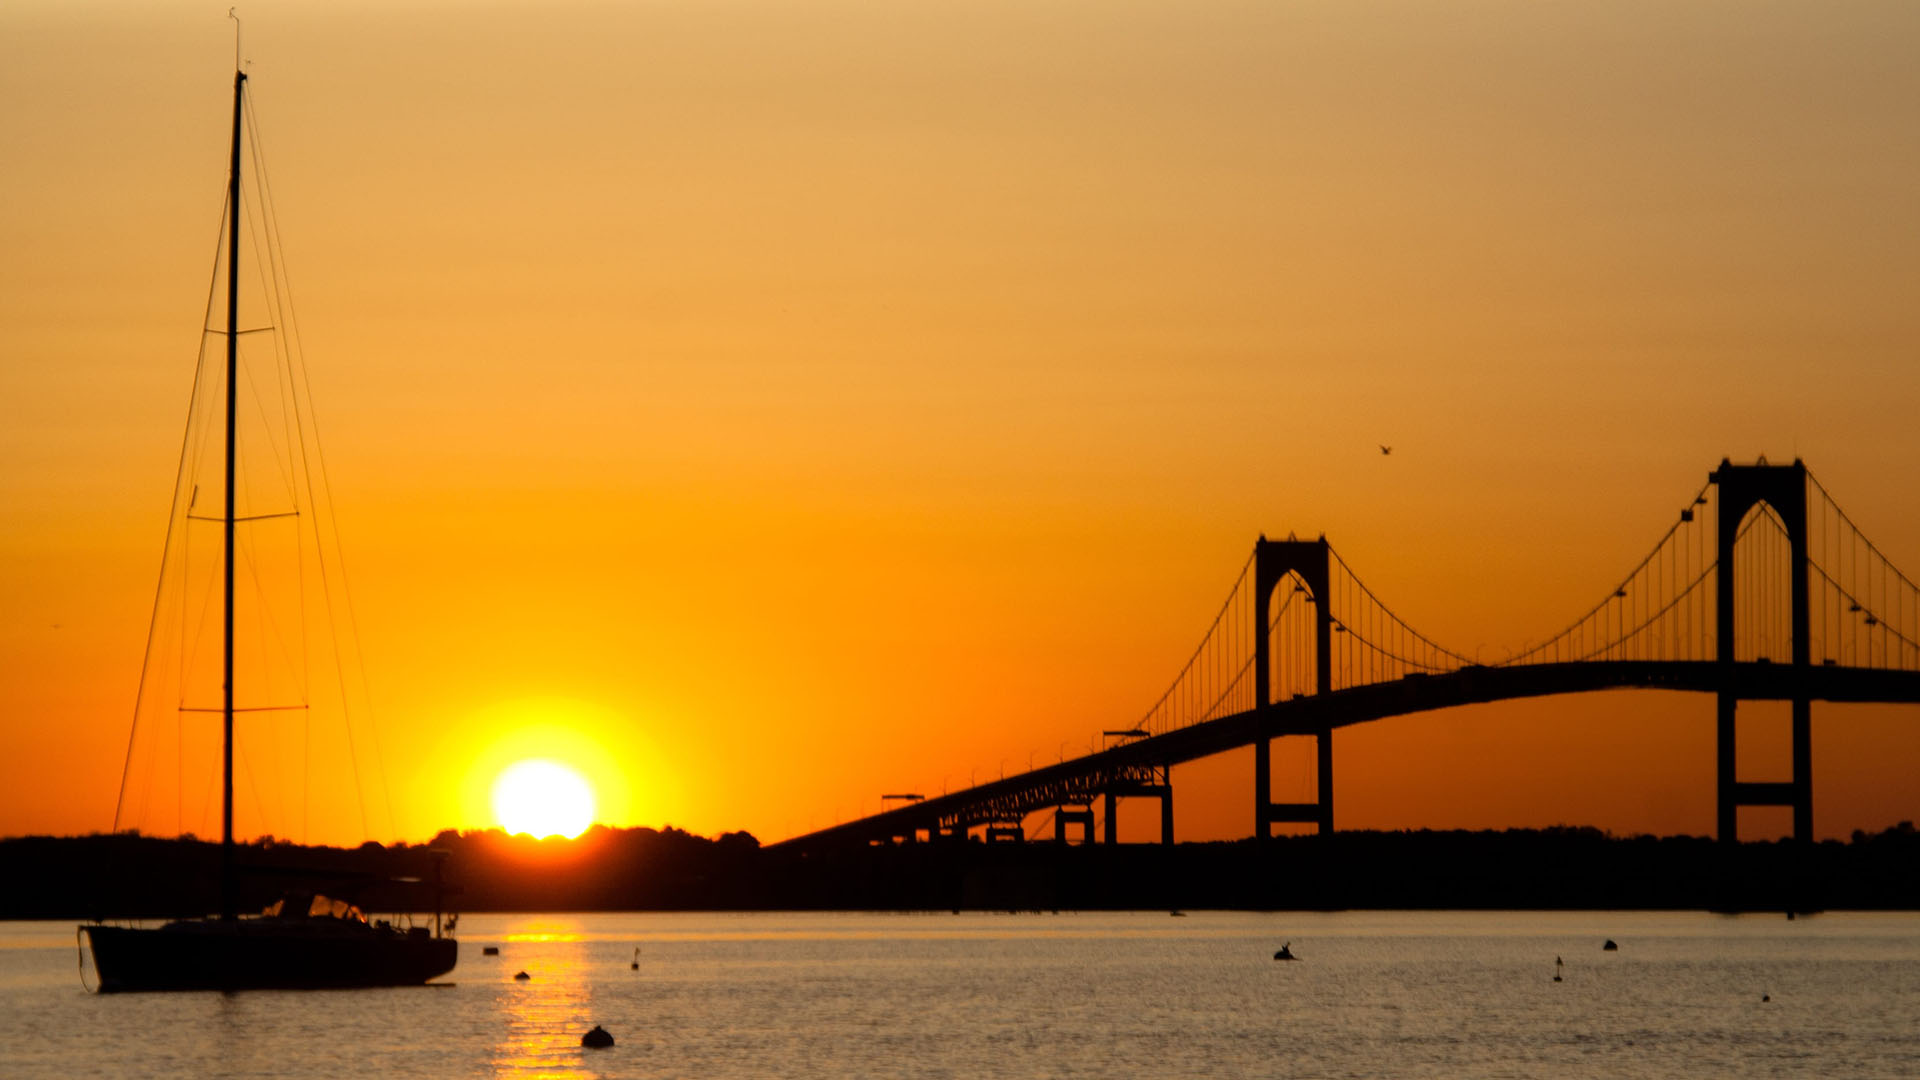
[128,875]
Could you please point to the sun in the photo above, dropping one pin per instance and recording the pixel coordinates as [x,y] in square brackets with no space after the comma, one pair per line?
[542,799]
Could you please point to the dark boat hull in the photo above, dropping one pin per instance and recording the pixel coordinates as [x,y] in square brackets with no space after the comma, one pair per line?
[257,955]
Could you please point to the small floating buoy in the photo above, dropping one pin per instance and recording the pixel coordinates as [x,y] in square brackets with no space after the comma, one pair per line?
[1789,916]
[598,1038]
[1610,946]
[1285,953]
[636,961]
[1558,964]
[490,950]
[1766,997]
[521,976]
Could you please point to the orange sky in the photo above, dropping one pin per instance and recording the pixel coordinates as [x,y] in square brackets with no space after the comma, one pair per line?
[764,406]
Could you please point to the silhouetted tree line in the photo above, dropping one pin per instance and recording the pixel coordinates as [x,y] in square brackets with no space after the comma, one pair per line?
[668,869]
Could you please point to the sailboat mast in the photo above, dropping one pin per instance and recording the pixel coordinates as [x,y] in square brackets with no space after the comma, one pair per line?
[227,897]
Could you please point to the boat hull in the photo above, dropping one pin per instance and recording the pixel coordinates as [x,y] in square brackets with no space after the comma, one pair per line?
[254,955]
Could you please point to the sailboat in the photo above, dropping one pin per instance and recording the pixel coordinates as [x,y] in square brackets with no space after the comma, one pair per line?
[304,940]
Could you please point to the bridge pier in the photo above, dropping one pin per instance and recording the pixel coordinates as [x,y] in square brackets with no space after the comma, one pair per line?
[1064,818]
[1796,791]
[1262,787]
[1162,790]
[1268,813]
[1784,489]
[1803,770]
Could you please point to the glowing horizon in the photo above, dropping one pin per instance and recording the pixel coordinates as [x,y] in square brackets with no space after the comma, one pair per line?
[762,409]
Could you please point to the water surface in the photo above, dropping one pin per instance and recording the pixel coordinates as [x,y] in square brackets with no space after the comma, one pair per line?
[1387,994]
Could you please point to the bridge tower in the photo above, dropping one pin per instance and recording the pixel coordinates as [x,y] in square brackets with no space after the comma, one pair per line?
[1273,560]
[1784,489]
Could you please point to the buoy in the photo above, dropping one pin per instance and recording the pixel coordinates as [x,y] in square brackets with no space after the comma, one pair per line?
[1766,997]
[490,950]
[636,958]
[1557,965]
[1610,946]
[598,1038]
[521,976]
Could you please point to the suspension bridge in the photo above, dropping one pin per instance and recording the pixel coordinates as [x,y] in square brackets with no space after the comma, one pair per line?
[1763,589]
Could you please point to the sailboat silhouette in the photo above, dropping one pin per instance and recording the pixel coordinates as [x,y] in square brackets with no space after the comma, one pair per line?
[304,940]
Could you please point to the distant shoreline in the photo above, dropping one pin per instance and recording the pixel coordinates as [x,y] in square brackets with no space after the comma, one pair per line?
[131,876]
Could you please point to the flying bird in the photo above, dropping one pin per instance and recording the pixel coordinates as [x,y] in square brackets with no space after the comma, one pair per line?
[1385,449]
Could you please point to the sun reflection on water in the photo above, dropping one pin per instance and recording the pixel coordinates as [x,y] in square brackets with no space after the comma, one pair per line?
[544,1015]
[543,928]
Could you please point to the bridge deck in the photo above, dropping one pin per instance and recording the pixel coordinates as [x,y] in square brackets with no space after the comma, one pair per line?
[1128,765]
